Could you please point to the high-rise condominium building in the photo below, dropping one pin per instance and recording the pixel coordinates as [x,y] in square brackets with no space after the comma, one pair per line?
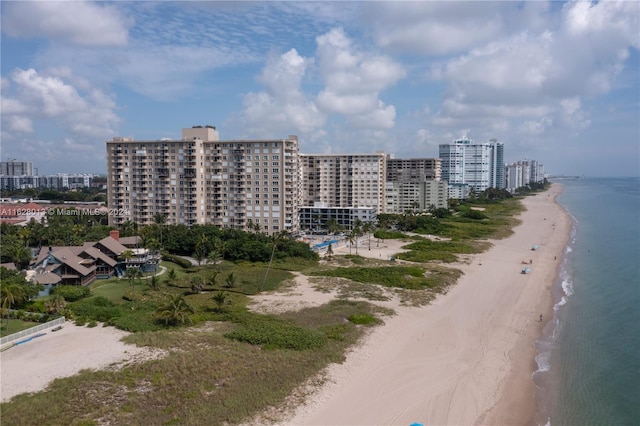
[342,180]
[468,165]
[16,168]
[203,180]
[522,173]
[414,184]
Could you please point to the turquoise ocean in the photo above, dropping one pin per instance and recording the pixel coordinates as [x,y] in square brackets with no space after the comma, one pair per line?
[589,356]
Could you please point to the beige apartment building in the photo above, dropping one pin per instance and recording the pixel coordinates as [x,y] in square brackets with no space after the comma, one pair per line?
[414,184]
[343,180]
[203,180]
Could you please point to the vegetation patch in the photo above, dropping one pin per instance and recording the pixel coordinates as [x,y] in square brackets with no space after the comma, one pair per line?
[391,276]
[363,319]
[71,293]
[205,378]
[272,333]
[445,251]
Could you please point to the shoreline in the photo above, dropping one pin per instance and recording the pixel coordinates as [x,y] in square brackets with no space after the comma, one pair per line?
[468,357]
[520,388]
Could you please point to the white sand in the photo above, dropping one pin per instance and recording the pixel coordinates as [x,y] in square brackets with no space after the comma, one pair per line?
[467,358]
[31,366]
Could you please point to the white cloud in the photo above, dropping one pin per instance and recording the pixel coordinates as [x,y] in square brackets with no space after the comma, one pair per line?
[78,22]
[434,28]
[535,82]
[381,118]
[283,106]
[34,96]
[348,104]
[20,124]
[354,79]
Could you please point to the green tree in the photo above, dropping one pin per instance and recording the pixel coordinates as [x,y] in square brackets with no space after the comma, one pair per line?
[220,298]
[171,276]
[154,283]
[212,258]
[160,220]
[212,278]
[351,238]
[20,255]
[14,290]
[197,284]
[175,310]
[133,274]
[230,281]
[126,255]
[55,305]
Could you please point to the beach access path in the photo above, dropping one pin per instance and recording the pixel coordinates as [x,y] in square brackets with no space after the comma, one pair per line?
[468,357]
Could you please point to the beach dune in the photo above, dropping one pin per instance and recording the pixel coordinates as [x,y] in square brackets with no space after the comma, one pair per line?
[469,356]
[31,366]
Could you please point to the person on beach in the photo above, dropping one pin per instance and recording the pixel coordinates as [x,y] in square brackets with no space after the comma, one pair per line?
[540,317]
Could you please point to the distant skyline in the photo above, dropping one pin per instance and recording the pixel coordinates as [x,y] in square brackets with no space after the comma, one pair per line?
[558,82]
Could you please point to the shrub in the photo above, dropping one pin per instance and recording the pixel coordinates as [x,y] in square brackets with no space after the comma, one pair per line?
[276,334]
[180,261]
[364,319]
[96,308]
[474,214]
[71,293]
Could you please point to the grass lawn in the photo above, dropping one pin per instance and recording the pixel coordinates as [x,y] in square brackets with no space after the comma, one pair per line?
[16,325]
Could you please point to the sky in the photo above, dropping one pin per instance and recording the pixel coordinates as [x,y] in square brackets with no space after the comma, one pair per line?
[557,82]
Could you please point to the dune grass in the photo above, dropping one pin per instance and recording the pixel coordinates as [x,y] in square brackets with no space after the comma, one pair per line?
[232,364]
[206,378]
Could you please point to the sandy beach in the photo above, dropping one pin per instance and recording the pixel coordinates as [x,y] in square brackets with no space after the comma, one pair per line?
[469,356]
[31,366]
[465,359]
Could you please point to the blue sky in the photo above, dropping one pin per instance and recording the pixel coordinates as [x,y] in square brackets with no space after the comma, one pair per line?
[556,82]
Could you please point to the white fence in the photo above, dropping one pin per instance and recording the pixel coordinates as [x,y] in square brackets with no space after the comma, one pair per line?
[32,330]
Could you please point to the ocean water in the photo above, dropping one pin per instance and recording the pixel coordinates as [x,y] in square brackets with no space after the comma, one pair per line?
[589,358]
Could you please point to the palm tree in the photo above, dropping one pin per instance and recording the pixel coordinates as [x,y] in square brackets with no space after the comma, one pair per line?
[171,276]
[55,305]
[351,237]
[330,252]
[276,238]
[197,284]
[230,280]
[126,255]
[220,298]
[212,258]
[20,255]
[160,220]
[11,293]
[199,256]
[133,274]
[154,283]
[175,310]
[367,228]
[213,277]
[220,246]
